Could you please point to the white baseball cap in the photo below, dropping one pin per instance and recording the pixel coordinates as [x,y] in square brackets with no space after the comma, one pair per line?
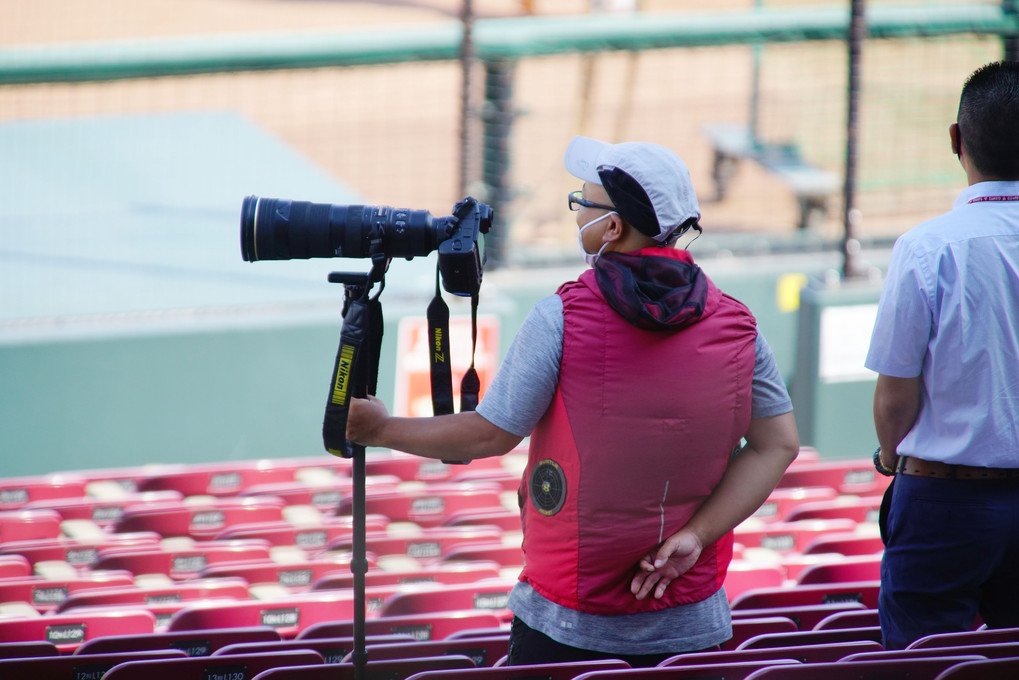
[648,184]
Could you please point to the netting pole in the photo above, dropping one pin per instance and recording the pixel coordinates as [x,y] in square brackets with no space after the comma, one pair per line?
[466,66]
[1010,41]
[855,39]
[498,121]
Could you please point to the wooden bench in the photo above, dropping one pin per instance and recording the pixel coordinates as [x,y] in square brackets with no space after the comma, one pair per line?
[812,186]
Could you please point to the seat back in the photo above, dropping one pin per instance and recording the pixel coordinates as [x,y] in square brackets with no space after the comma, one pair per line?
[817,653]
[812,637]
[78,665]
[333,650]
[204,667]
[386,669]
[965,638]
[69,631]
[432,626]
[553,671]
[192,642]
[914,669]
[483,651]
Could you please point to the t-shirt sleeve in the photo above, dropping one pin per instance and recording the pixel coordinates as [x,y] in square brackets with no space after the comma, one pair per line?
[769,396]
[904,319]
[526,381]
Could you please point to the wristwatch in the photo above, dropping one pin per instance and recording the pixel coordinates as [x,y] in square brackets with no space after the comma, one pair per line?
[880,467]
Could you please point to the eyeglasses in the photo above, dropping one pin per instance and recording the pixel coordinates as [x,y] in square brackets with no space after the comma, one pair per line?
[576,199]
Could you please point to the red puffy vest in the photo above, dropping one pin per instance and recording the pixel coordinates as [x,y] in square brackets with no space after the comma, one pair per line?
[639,432]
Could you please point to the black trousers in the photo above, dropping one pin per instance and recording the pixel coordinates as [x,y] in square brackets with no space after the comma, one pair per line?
[528,646]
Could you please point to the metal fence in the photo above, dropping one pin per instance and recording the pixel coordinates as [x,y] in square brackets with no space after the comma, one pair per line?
[379,107]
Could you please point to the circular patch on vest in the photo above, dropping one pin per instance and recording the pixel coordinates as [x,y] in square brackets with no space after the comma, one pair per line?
[548,487]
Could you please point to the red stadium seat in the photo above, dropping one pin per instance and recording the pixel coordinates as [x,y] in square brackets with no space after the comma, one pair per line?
[14,566]
[846,477]
[781,502]
[310,538]
[812,637]
[388,669]
[860,618]
[78,665]
[485,595]
[430,546]
[17,492]
[806,617]
[503,518]
[68,631]
[426,507]
[991,669]
[845,544]
[296,576]
[846,570]
[972,637]
[448,573]
[45,595]
[181,563]
[104,512]
[507,480]
[817,653]
[483,651]
[411,468]
[500,553]
[744,629]
[229,588]
[218,479]
[553,671]
[918,669]
[192,642]
[864,592]
[431,626]
[788,537]
[743,576]
[80,553]
[727,671]
[858,509]
[1000,650]
[206,667]
[321,496]
[162,611]
[28,525]
[287,615]
[199,521]
[27,650]
[333,650]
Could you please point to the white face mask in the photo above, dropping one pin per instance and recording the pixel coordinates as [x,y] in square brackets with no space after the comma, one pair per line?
[591,258]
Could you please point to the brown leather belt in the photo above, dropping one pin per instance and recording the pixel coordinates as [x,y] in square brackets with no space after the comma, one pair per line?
[930,468]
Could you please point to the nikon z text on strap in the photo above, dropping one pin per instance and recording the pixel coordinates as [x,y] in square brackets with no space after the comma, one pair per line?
[439,359]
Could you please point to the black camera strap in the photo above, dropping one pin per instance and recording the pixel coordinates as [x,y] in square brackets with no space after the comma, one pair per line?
[470,384]
[438,351]
[439,359]
[356,370]
[441,366]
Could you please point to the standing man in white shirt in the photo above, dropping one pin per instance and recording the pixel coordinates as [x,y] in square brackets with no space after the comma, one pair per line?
[946,406]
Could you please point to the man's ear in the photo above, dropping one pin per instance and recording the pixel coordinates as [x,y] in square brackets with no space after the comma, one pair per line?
[953,133]
[616,229]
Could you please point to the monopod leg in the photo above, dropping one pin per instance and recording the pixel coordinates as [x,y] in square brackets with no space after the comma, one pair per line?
[359,560]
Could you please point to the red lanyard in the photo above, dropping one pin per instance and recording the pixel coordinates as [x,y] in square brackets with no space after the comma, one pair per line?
[981,199]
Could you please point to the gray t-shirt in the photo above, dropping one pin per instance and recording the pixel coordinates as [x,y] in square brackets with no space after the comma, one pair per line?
[518,397]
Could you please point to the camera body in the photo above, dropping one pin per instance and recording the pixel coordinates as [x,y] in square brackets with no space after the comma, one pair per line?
[281,229]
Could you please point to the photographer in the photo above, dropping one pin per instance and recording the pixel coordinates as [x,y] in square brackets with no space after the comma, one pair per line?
[636,384]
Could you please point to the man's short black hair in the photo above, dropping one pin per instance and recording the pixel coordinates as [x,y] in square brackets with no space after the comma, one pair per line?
[989,119]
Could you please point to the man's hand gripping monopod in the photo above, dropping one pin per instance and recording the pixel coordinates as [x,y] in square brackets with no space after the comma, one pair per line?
[356,371]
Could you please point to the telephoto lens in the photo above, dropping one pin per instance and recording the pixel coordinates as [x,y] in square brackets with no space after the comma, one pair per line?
[280,229]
